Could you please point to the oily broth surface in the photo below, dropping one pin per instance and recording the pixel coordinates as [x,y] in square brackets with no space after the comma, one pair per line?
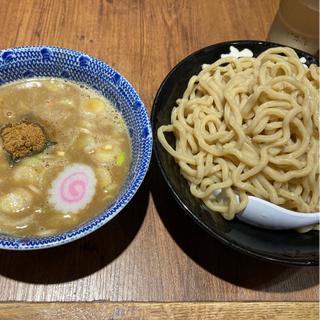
[86,129]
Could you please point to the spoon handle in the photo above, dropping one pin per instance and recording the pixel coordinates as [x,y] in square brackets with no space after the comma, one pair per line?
[267,215]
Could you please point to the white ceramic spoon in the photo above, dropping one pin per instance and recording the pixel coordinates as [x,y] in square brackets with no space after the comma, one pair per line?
[264,214]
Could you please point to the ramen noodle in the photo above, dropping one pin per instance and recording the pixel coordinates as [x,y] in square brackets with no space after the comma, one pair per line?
[249,126]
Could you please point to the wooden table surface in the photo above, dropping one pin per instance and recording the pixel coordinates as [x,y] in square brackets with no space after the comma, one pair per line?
[151,251]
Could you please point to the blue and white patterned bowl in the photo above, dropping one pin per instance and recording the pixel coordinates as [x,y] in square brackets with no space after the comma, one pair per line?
[46,61]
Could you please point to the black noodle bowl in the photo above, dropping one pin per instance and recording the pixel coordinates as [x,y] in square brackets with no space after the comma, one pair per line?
[284,247]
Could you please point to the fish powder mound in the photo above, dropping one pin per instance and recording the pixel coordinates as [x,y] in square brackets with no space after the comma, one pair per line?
[22,139]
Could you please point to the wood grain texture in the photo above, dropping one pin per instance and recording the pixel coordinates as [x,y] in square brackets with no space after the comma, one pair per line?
[157,311]
[150,251]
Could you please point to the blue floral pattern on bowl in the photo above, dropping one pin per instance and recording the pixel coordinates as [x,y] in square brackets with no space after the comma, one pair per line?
[46,61]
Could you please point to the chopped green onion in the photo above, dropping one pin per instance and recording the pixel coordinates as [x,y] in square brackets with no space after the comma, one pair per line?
[121,158]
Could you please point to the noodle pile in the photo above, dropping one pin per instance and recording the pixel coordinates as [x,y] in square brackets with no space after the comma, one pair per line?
[250,126]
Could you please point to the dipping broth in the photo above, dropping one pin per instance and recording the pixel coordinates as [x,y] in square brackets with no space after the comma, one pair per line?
[65,153]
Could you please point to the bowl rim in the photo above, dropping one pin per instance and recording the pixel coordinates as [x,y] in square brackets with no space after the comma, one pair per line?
[14,243]
[229,243]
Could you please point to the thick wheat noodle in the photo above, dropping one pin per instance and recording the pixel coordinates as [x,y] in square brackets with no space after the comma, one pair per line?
[250,126]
